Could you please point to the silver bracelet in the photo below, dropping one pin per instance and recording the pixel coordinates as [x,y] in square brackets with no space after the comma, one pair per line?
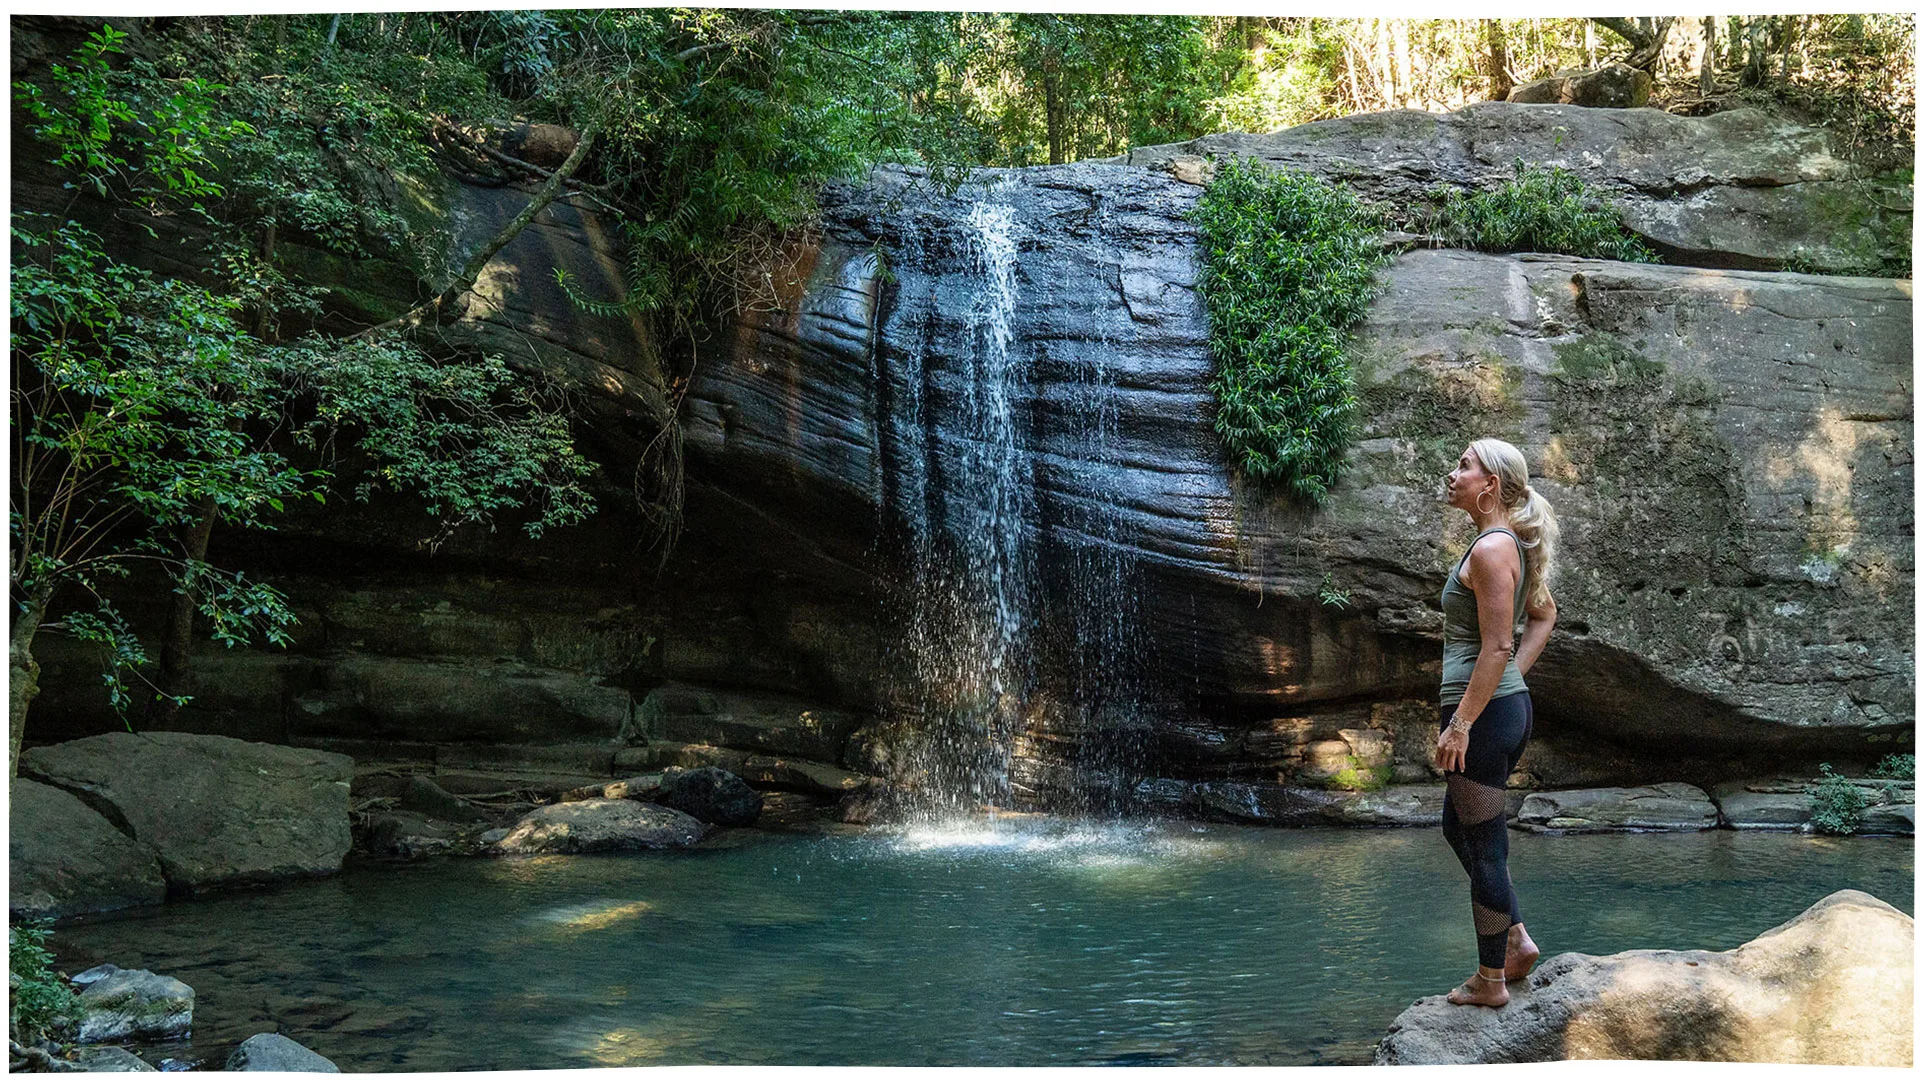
[1462,726]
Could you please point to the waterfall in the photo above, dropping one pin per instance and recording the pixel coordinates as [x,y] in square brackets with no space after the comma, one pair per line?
[1020,684]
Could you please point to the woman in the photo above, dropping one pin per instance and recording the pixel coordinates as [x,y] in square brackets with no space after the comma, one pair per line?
[1488,713]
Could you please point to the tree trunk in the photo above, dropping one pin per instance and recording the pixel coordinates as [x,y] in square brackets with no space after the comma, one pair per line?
[1789,36]
[1755,73]
[23,672]
[1736,41]
[1497,60]
[1056,117]
[1706,57]
[1647,38]
[1402,63]
[176,641]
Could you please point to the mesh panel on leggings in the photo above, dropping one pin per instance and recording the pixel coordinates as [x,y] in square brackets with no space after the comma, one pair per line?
[1481,810]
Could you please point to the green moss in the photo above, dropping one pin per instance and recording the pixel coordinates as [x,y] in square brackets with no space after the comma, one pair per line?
[1600,359]
[1439,409]
[1356,777]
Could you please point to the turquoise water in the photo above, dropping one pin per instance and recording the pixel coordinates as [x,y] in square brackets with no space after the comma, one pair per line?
[1035,942]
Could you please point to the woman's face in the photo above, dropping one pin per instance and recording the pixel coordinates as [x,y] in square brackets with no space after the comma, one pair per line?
[1466,482]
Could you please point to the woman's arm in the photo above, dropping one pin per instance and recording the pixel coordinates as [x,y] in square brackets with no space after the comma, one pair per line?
[1540,619]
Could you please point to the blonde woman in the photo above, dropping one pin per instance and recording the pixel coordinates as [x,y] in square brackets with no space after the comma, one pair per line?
[1486,708]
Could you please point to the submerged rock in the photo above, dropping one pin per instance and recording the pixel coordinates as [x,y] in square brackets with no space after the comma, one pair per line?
[67,860]
[712,795]
[216,811]
[134,1004]
[595,825]
[273,1052]
[1832,986]
[1665,807]
[110,1059]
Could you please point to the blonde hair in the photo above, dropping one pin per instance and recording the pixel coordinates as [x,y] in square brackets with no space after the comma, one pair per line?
[1527,510]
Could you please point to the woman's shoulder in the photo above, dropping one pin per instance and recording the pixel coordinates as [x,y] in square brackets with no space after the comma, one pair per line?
[1503,543]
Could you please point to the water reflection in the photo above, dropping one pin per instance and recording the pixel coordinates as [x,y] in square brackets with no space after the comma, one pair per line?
[1010,941]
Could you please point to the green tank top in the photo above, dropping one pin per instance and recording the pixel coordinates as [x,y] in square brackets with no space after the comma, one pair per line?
[1460,632]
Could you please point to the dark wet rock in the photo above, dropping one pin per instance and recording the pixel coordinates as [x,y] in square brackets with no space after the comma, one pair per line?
[1405,804]
[134,1004]
[1268,804]
[273,1052]
[1663,807]
[216,811]
[68,860]
[494,836]
[874,802]
[799,774]
[93,975]
[743,720]
[713,795]
[599,825]
[1887,819]
[1743,809]
[424,796]
[110,1059]
[1614,86]
[661,754]
[1832,986]
[407,835]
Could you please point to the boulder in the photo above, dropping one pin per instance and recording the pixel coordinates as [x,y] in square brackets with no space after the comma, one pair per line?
[1614,86]
[1743,809]
[1739,188]
[1404,804]
[216,811]
[1889,819]
[1832,986]
[110,1059]
[597,825]
[713,795]
[68,860]
[1267,804]
[273,1052]
[134,1004]
[1661,807]
[800,774]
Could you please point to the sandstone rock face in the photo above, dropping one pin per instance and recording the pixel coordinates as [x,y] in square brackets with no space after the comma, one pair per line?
[65,859]
[1666,807]
[1833,986]
[1735,189]
[1615,86]
[135,1005]
[272,1052]
[216,811]
[600,825]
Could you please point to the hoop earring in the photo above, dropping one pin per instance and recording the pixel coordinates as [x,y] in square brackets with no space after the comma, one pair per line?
[1477,498]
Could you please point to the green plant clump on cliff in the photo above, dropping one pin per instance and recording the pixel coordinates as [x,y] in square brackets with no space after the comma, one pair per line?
[1837,804]
[1288,269]
[1541,209]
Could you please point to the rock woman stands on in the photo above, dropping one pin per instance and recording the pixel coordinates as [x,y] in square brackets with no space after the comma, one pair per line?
[1486,709]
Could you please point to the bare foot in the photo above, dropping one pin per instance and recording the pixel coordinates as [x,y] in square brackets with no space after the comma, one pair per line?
[1522,953]
[1480,990]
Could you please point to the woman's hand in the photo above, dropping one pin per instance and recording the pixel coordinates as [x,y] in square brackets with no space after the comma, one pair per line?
[1451,754]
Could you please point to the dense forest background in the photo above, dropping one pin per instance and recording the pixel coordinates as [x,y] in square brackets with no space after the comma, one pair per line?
[158,400]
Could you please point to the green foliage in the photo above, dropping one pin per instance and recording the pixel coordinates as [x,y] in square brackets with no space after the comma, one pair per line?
[1893,767]
[41,995]
[1288,269]
[1332,597]
[129,134]
[1542,209]
[1837,804]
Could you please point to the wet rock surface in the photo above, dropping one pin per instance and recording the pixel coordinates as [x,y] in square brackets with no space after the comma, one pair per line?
[600,825]
[273,1052]
[215,811]
[65,859]
[712,795]
[1832,986]
[134,1004]
[1659,807]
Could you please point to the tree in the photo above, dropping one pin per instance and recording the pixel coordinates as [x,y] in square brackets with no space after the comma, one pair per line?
[1497,60]
[1646,35]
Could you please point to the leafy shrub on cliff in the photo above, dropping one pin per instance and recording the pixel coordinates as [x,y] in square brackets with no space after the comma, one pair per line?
[40,994]
[1544,209]
[1893,767]
[1837,804]
[1288,269]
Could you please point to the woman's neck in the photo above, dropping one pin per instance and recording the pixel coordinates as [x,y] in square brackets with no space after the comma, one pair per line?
[1496,520]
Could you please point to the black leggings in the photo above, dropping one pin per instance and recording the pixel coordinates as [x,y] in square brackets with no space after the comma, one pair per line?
[1473,817]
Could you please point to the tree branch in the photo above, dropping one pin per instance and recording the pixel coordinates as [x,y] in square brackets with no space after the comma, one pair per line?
[440,308]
